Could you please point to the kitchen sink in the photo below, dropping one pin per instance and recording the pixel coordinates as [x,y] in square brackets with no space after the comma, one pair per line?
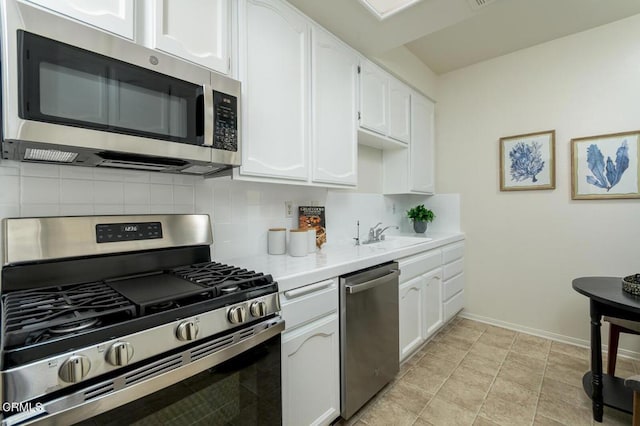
[394,242]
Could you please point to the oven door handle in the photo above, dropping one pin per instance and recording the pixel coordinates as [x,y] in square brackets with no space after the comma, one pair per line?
[76,407]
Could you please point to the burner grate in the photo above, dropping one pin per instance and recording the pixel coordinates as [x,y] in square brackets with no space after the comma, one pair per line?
[223,278]
[41,314]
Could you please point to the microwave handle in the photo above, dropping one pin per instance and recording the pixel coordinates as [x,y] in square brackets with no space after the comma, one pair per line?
[208,118]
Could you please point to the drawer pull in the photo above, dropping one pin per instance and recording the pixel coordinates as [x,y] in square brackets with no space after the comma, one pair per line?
[297,292]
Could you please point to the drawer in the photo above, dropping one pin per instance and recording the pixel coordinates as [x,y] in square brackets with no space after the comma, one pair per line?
[452,252]
[419,264]
[304,304]
[453,286]
[453,306]
[453,269]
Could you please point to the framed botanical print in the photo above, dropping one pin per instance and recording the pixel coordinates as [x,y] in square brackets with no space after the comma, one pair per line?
[605,166]
[527,161]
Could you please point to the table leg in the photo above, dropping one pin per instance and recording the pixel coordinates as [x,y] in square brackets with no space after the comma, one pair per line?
[596,362]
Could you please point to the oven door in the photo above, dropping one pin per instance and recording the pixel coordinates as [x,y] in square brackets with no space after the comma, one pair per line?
[234,379]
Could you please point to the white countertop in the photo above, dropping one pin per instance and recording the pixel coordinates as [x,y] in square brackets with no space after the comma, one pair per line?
[335,260]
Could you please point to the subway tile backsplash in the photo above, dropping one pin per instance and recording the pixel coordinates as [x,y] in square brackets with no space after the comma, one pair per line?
[241,212]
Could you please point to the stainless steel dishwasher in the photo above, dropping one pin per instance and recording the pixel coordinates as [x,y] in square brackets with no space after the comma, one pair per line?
[369,345]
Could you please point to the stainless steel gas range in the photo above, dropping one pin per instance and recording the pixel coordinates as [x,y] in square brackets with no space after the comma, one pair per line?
[119,319]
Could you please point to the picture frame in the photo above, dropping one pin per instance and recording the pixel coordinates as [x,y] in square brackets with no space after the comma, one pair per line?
[528,162]
[605,166]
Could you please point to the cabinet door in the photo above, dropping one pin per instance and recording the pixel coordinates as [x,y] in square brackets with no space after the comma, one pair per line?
[196,30]
[274,72]
[399,111]
[116,16]
[433,317]
[334,94]
[421,149]
[374,98]
[311,373]
[411,318]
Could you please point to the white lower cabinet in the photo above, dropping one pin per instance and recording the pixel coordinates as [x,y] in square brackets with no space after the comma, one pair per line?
[420,303]
[433,308]
[453,280]
[310,355]
[411,315]
[431,293]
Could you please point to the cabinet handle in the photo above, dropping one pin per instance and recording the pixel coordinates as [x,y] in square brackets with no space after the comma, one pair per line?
[297,292]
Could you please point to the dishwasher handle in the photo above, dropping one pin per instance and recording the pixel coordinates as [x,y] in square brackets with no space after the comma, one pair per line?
[357,288]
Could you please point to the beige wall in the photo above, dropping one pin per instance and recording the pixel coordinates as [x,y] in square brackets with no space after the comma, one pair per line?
[524,248]
[406,66]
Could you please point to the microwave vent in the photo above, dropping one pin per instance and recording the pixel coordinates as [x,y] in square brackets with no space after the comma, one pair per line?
[51,155]
[199,170]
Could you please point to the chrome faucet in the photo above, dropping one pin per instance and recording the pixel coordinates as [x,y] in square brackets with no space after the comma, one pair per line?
[375,233]
[379,232]
[372,233]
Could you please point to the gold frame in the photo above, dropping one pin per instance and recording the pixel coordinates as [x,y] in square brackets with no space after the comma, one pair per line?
[552,161]
[574,166]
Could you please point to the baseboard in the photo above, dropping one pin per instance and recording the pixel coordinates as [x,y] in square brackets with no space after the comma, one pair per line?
[546,334]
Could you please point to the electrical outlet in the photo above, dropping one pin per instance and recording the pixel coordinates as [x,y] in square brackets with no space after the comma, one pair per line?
[288,209]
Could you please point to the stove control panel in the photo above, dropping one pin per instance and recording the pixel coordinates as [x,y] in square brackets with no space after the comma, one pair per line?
[117,232]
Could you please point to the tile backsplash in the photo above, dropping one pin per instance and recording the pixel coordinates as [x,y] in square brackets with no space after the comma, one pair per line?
[241,212]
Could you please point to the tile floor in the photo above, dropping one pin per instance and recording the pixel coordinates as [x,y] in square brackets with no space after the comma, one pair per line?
[472,373]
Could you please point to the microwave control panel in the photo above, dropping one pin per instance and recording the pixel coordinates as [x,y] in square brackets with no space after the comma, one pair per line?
[225,113]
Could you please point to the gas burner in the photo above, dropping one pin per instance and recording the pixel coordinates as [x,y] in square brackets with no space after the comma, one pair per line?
[50,313]
[73,327]
[223,278]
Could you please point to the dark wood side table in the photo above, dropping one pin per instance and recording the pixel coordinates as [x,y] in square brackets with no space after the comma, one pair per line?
[606,298]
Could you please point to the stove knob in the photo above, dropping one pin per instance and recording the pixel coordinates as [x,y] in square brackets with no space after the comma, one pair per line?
[258,309]
[237,315]
[187,330]
[75,368]
[120,353]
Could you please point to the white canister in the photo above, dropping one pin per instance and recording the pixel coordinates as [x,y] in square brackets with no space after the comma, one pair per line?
[311,240]
[277,238]
[298,242]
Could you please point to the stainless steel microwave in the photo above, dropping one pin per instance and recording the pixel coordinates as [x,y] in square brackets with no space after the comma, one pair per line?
[72,94]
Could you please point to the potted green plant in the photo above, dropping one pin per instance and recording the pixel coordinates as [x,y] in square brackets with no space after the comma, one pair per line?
[420,215]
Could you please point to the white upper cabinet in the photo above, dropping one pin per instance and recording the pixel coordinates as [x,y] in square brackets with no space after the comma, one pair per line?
[374,98]
[422,149]
[334,94]
[299,99]
[411,171]
[116,16]
[399,111]
[274,70]
[196,30]
[385,109]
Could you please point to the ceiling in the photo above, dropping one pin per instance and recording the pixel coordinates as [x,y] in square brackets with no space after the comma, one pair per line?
[450,34]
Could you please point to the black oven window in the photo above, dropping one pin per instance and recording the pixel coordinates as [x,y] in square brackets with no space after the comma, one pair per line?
[245,390]
[67,85]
